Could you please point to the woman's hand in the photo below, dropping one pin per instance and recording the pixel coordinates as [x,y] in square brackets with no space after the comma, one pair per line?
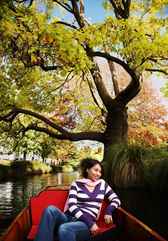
[108,219]
[94,228]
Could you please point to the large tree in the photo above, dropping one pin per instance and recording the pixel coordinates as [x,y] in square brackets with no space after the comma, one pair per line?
[41,53]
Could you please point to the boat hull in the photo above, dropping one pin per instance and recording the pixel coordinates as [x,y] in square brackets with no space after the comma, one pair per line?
[131,228]
[19,228]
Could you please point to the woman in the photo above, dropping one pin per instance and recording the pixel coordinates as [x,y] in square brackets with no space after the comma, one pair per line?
[82,209]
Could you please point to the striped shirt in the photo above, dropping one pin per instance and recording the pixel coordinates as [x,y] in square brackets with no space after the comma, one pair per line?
[85,205]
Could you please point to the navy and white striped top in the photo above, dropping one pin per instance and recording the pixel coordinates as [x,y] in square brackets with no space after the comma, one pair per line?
[85,205]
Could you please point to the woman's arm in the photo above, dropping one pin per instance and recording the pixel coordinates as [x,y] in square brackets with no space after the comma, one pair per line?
[113,199]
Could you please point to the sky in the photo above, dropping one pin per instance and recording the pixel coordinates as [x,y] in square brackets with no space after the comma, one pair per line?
[93,9]
[96,13]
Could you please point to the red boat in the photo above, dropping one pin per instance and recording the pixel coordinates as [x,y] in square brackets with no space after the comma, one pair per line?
[126,226]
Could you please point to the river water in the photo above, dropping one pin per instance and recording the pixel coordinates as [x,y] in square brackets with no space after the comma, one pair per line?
[151,208]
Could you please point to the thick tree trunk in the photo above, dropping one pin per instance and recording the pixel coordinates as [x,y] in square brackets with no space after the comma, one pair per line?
[117,126]
[115,133]
[122,169]
[24,155]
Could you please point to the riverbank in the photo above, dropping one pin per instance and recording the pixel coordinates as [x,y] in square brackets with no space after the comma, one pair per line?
[9,169]
[153,168]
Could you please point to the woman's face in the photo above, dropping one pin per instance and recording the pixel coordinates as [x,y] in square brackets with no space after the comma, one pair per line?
[94,173]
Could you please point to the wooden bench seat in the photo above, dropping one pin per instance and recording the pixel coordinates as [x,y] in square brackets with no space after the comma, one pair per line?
[58,198]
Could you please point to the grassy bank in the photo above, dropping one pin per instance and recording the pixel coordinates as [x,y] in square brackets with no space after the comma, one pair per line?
[22,168]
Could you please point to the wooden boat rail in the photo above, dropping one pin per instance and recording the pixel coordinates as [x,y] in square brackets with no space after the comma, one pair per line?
[19,228]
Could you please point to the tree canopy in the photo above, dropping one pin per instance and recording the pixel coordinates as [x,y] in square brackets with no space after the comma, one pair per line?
[50,76]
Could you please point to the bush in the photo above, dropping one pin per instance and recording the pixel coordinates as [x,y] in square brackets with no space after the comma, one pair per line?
[156,168]
[138,166]
[27,167]
[40,167]
[126,166]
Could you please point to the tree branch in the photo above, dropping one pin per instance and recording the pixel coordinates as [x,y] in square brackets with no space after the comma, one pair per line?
[67,24]
[116,60]
[94,95]
[10,116]
[133,87]
[157,70]
[113,76]
[64,5]
[100,85]
[121,10]
[49,67]
[15,111]
[95,136]
[65,135]
[78,13]
[42,66]
[20,1]
[67,79]
[127,5]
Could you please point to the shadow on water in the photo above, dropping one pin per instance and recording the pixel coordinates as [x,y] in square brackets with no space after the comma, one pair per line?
[150,208]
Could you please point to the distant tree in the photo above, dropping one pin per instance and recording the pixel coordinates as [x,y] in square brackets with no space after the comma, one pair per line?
[148,117]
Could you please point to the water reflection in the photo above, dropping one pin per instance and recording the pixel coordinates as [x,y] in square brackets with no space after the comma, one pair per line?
[66,179]
[14,195]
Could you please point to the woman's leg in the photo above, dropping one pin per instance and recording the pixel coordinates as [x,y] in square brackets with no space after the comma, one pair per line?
[73,231]
[52,217]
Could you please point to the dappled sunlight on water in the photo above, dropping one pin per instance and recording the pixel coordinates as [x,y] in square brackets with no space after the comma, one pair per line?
[14,195]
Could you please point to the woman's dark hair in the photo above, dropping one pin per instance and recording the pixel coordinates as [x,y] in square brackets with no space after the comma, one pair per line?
[88,163]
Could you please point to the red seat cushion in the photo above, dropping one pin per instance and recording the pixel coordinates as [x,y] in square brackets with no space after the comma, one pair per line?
[43,200]
[32,232]
[103,228]
[100,222]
